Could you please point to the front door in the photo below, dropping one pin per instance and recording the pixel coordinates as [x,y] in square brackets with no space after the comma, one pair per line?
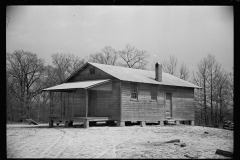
[92,101]
[168,105]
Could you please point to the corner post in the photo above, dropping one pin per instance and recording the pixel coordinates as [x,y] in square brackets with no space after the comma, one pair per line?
[120,104]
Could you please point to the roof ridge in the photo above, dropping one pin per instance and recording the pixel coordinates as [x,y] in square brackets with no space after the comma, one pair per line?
[122,67]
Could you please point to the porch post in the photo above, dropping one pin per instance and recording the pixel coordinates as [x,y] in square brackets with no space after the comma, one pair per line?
[73,105]
[50,111]
[86,122]
[61,104]
[50,106]
[67,105]
[120,123]
[51,103]
[86,103]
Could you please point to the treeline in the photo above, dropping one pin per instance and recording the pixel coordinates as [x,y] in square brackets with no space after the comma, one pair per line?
[27,75]
[215,101]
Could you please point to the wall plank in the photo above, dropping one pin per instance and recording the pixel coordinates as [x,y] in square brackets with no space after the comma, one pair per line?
[145,109]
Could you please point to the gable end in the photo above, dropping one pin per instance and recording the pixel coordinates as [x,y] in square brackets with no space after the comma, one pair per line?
[89,72]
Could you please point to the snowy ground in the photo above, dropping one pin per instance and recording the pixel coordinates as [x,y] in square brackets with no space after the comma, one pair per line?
[29,141]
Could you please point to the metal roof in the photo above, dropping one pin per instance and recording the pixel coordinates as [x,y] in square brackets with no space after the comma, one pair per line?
[141,76]
[75,85]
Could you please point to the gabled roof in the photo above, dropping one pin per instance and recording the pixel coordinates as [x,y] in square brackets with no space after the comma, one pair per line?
[77,85]
[138,75]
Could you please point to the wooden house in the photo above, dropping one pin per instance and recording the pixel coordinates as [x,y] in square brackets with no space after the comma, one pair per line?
[99,92]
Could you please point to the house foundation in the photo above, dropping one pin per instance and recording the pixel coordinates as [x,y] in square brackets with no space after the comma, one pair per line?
[161,123]
[120,123]
[86,124]
[142,123]
[192,123]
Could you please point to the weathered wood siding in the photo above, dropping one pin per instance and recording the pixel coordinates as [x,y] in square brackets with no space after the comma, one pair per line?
[84,74]
[107,103]
[79,103]
[183,101]
[144,109]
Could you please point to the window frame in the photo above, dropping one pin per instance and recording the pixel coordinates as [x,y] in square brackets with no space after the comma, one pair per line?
[92,71]
[136,92]
[154,92]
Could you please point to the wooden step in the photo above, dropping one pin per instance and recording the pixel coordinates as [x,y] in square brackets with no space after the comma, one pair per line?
[168,117]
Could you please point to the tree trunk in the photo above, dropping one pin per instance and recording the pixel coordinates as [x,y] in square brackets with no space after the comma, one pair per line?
[205,100]
[216,116]
[220,109]
[211,100]
[38,112]
[201,109]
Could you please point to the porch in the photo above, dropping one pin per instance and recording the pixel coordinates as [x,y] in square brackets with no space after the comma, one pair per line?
[81,107]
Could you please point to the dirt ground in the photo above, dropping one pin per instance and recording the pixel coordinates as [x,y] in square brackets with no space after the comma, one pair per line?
[29,141]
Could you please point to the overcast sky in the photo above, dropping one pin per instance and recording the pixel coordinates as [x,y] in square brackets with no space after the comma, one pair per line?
[189,33]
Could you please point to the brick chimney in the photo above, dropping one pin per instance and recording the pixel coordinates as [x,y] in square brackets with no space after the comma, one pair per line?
[158,72]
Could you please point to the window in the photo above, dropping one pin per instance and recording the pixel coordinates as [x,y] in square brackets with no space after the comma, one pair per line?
[92,71]
[134,93]
[153,92]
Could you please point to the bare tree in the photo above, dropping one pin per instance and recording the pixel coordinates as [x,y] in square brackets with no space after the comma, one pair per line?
[108,56]
[133,58]
[200,79]
[24,70]
[65,65]
[221,96]
[41,101]
[183,72]
[230,81]
[213,72]
[214,101]
[171,65]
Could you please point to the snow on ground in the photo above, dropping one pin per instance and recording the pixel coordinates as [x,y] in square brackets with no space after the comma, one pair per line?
[29,141]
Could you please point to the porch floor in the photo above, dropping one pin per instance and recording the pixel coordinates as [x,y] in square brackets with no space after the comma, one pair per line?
[79,119]
[69,120]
